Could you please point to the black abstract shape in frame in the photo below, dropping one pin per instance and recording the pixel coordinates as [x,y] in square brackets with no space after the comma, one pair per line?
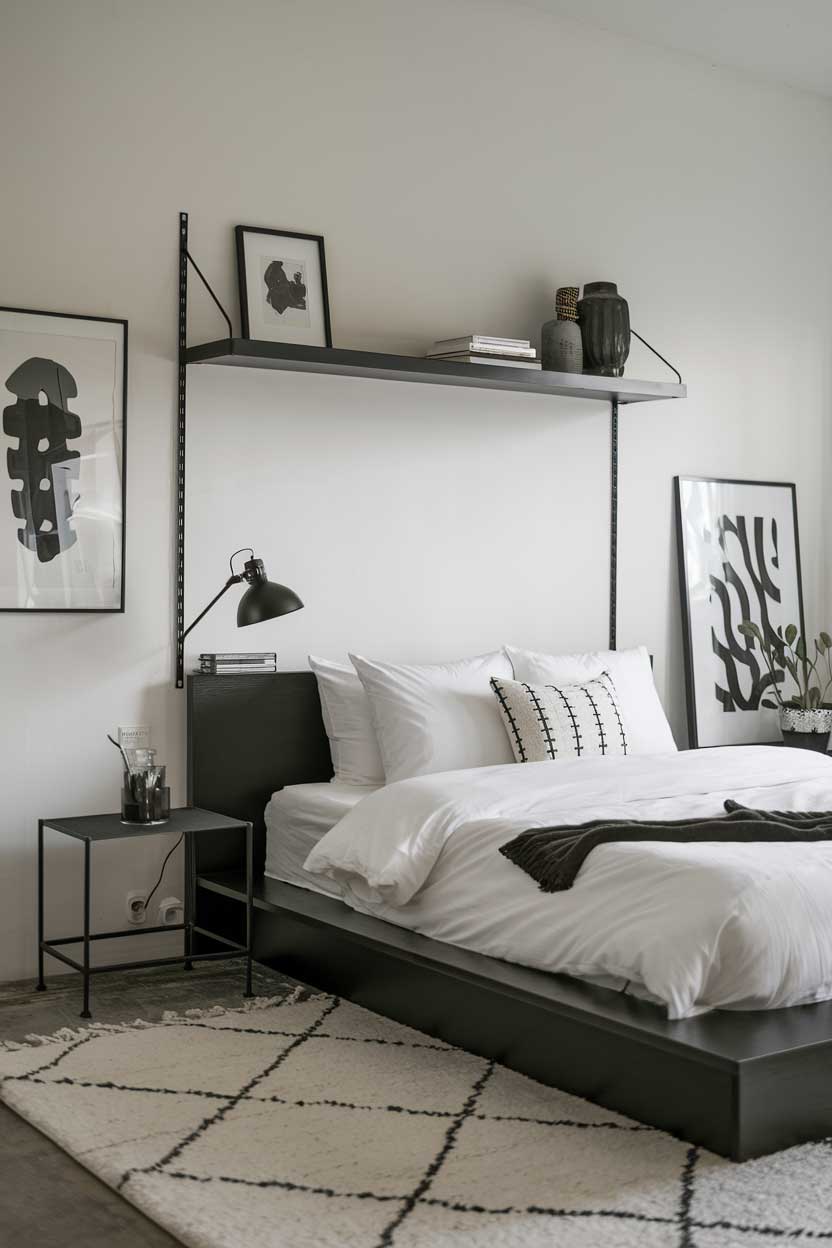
[737,653]
[284,293]
[42,461]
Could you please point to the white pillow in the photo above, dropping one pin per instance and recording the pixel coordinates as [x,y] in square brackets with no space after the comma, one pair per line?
[442,717]
[648,731]
[349,724]
[551,722]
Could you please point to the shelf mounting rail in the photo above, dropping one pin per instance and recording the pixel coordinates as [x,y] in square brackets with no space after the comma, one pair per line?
[185,258]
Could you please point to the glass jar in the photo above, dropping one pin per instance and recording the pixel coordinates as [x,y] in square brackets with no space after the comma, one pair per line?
[145,797]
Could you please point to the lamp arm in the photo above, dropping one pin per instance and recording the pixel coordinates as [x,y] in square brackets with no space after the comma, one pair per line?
[232,580]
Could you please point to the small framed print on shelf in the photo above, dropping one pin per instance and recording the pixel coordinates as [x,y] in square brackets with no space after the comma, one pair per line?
[283,292]
[739,559]
[64,405]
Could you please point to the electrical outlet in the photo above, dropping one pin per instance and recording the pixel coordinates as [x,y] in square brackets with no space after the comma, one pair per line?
[171,911]
[137,907]
[134,737]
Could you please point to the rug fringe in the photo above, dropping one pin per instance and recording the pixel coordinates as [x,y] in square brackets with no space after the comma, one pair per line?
[68,1035]
[247,1007]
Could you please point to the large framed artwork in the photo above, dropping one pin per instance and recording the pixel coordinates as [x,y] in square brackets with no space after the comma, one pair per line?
[739,559]
[64,423]
[283,291]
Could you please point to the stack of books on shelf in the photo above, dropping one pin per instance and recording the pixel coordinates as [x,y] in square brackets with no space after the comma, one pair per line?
[232,664]
[483,349]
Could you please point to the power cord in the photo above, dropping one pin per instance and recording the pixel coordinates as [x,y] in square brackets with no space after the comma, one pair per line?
[162,872]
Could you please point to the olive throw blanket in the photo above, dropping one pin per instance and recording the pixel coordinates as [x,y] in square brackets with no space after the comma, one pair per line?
[554,856]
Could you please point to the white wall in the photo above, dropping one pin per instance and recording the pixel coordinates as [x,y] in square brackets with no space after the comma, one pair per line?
[462,160]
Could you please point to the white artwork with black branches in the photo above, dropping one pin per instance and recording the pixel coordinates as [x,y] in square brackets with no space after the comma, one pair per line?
[739,561]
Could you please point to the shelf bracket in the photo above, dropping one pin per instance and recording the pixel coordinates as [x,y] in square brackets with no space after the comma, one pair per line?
[658,355]
[210,290]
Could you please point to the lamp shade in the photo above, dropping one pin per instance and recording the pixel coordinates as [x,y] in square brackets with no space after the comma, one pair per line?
[264,600]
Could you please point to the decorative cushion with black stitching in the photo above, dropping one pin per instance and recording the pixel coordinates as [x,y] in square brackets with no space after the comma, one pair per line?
[561,721]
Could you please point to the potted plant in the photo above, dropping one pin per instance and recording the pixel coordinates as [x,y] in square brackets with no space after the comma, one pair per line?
[805,717]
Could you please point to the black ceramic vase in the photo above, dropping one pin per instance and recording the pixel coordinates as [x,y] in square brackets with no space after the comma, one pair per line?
[605,329]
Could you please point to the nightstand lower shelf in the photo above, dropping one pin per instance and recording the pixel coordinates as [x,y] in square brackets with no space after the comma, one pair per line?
[50,947]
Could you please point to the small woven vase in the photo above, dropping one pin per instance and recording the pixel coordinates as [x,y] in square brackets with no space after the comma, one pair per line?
[561,348]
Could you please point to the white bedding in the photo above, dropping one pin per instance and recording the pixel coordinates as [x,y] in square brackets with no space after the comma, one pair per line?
[693,926]
[296,819]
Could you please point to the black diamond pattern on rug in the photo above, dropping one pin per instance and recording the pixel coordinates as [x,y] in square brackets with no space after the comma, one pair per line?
[314,1122]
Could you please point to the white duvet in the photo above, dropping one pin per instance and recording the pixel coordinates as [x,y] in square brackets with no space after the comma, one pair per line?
[746,926]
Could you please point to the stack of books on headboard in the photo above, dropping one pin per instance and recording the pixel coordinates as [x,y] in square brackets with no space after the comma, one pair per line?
[233,664]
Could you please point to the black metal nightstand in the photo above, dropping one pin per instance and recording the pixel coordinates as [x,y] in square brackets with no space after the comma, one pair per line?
[188,820]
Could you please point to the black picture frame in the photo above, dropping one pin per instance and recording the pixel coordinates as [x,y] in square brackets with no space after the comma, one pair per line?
[240,233]
[122,390]
[688,641]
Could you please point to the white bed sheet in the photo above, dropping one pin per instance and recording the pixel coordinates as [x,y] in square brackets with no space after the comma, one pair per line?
[696,927]
[296,819]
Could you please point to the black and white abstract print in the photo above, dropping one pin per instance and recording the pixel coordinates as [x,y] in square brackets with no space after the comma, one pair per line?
[739,560]
[746,588]
[43,425]
[283,288]
[63,382]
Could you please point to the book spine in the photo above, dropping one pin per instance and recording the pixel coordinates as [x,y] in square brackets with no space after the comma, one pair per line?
[237,662]
[265,656]
[491,363]
[238,671]
[480,340]
[499,360]
[528,353]
[245,662]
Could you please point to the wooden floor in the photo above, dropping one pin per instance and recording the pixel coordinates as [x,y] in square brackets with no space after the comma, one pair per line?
[47,1200]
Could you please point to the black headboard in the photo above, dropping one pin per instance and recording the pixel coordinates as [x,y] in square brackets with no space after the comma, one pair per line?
[247,737]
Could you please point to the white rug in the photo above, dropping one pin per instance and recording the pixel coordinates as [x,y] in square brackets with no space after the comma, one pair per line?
[311,1123]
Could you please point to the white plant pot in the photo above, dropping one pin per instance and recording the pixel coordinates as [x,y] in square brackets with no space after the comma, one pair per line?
[808,729]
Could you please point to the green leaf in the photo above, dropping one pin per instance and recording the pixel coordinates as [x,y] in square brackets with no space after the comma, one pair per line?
[814,697]
[772,706]
[749,629]
[827,640]
[791,634]
[800,649]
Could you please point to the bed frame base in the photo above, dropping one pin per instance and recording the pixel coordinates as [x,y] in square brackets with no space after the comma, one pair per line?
[741,1084]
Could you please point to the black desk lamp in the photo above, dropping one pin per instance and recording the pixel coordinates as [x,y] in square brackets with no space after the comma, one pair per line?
[263,600]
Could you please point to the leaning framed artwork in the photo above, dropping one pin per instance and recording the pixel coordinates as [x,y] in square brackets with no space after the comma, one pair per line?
[64,423]
[283,290]
[739,559]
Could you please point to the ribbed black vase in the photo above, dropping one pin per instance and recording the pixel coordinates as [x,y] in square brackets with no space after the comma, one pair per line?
[605,329]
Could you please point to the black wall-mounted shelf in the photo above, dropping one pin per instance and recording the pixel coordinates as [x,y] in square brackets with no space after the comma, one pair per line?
[288,357]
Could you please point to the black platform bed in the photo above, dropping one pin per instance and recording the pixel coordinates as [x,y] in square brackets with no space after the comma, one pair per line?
[742,1084]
